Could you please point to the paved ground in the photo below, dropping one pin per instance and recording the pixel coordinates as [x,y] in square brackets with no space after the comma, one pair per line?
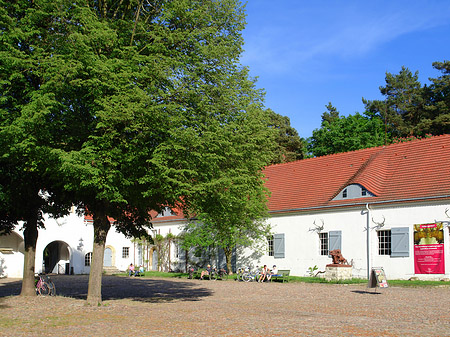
[181,307]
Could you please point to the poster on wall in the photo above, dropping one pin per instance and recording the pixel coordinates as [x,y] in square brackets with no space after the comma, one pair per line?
[429,248]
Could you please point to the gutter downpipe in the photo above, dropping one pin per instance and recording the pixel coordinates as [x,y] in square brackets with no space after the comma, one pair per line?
[368,241]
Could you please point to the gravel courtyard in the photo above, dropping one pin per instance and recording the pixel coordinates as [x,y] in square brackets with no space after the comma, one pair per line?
[181,307]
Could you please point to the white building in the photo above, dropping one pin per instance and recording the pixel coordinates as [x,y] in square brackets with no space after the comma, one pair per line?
[383,207]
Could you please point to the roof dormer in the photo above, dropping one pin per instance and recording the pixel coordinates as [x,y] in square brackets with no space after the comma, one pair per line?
[353,191]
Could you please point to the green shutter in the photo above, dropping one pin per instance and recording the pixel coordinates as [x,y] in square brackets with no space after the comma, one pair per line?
[278,246]
[400,242]
[334,240]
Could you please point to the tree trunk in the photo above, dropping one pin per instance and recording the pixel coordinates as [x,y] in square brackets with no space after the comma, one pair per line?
[101,228]
[228,256]
[30,239]
[186,251]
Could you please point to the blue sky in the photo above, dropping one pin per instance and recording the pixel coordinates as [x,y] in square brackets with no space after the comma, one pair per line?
[308,53]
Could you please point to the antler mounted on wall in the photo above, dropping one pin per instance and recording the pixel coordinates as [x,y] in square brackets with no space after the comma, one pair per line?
[378,224]
[317,228]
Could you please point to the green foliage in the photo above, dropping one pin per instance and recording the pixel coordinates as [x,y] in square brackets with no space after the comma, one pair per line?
[128,105]
[290,146]
[311,270]
[342,134]
[408,110]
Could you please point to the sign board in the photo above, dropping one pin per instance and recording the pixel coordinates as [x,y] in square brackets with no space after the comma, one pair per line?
[377,278]
[429,248]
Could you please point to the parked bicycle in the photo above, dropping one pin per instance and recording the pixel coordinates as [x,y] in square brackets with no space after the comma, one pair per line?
[251,275]
[219,274]
[44,285]
[240,274]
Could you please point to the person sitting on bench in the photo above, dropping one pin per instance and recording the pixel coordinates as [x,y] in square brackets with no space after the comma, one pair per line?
[274,271]
[206,272]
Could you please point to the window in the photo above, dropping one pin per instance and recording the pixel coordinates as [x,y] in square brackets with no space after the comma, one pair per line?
[363,192]
[384,242]
[344,193]
[125,252]
[323,237]
[166,212]
[88,259]
[270,244]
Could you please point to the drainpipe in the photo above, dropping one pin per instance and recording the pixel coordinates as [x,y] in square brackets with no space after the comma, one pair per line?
[368,241]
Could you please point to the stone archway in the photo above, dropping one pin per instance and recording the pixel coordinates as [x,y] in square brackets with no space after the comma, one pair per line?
[56,258]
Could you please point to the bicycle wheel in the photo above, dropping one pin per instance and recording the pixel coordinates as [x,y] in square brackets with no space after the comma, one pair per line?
[247,277]
[44,289]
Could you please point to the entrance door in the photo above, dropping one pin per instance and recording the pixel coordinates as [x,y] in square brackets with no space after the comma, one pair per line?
[107,258]
[155,260]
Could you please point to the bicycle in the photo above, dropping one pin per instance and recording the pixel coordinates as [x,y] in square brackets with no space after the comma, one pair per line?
[239,273]
[220,274]
[251,275]
[45,286]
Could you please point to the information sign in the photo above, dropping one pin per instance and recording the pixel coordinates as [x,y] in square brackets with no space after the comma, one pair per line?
[377,278]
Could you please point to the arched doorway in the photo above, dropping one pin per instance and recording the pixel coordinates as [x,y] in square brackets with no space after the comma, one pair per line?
[107,258]
[56,258]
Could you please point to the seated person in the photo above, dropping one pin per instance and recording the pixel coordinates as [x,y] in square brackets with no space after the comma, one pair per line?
[265,271]
[274,271]
[206,272]
[140,272]
[131,270]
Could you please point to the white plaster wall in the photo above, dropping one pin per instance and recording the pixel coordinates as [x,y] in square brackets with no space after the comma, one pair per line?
[408,216]
[302,246]
[70,230]
[11,265]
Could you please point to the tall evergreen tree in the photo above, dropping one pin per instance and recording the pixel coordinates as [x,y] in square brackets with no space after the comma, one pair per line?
[436,119]
[290,146]
[404,103]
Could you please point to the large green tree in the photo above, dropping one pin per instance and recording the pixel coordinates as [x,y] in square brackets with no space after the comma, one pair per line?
[230,206]
[29,183]
[133,92]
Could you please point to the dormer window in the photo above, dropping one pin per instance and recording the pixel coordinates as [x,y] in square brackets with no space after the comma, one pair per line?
[353,191]
[166,212]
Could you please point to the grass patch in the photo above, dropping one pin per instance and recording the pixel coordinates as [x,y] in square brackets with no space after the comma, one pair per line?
[159,274]
[305,279]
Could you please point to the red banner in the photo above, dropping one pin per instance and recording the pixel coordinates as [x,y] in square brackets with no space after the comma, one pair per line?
[429,249]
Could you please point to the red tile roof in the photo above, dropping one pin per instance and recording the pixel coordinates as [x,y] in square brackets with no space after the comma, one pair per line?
[413,170]
[418,169]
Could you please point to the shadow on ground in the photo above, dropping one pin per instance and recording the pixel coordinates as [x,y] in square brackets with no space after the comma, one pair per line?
[116,287]
[366,292]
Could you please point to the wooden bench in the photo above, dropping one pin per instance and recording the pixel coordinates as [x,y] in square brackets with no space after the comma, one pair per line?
[282,275]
